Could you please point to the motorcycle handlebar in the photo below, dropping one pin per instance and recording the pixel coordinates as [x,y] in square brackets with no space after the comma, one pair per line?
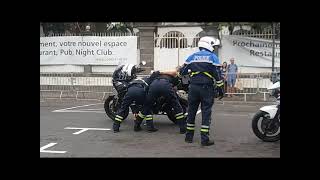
[140,70]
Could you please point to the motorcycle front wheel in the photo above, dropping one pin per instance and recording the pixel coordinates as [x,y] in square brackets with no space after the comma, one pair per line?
[111,109]
[260,127]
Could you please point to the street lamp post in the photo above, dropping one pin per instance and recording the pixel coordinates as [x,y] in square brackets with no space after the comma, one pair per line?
[273,44]
[273,47]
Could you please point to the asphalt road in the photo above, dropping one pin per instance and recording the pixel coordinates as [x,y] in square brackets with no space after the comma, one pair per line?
[230,128]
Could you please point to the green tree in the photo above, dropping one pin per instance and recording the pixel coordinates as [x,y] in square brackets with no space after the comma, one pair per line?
[80,27]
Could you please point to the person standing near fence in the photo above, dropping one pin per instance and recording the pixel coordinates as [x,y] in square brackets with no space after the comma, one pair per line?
[224,75]
[232,75]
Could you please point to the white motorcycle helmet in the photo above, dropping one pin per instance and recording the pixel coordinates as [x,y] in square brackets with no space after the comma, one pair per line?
[129,70]
[208,43]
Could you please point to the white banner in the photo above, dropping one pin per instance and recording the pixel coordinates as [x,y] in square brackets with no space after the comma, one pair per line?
[248,52]
[88,50]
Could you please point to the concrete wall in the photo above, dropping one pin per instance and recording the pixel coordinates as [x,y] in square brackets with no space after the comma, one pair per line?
[62,68]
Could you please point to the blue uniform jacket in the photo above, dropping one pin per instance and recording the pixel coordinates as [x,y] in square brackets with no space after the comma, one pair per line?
[202,61]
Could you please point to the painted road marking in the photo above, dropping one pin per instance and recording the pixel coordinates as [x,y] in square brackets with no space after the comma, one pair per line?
[86,129]
[226,114]
[103,112]
[42,149]
[84,111]
[92,109]
[76,107]
[80,111]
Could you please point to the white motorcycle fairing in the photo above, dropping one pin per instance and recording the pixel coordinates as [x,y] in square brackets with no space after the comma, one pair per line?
[274,86]
[271,110]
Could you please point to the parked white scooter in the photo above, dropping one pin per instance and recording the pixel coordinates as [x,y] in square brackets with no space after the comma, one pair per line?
[266,122]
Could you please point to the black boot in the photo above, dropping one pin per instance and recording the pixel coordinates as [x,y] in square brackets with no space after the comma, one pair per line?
[137,124]
[189,137]
[137,127]
[182,126]
[205,139]
[149,122]
[207,143]
[150,127]
[116,126]
[182,130]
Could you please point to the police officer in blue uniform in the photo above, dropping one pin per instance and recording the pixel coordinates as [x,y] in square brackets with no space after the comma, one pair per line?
[136,92]
[203,71]
[162,86]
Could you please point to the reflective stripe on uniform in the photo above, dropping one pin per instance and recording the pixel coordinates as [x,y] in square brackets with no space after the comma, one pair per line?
[190,128]
[180,117]
[148,117]
[206,73]
[117,119]
[192,125]
[220,83]
[119,116]
[204,130]
[194,73]
[141,115]
[207,127]
[179,114]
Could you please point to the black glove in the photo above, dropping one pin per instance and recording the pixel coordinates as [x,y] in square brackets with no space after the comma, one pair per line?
[220,89]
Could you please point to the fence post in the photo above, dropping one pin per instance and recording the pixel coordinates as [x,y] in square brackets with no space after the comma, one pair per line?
[178,51]
[258,78]
[273,44]
[61,94]
[104,93]
[72,84]
[77,95]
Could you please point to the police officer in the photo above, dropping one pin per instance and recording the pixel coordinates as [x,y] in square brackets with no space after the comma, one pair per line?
[136,91]
[203,70]
[162,86]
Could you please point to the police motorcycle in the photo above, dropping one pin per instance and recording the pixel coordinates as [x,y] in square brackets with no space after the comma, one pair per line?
[160,107]
[266,122]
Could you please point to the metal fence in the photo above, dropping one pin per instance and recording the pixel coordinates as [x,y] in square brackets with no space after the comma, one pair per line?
[176,40]
[90,34]
[256,34]
[75,86]
[82,86]
[250,84]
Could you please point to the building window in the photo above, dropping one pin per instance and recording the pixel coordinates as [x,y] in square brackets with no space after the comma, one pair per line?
[173,39]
